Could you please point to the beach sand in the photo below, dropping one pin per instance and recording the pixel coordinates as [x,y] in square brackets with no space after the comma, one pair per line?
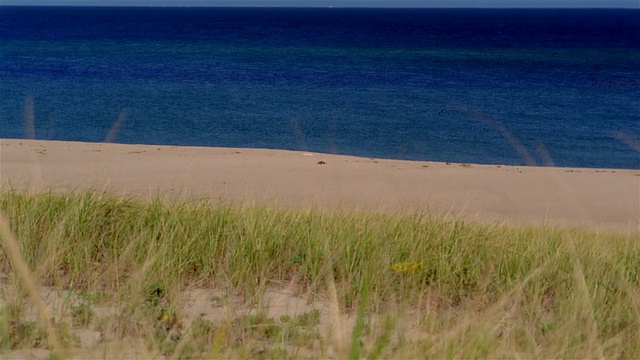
[600,198]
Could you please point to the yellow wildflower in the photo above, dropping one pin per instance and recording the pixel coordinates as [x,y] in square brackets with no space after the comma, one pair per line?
[405,267]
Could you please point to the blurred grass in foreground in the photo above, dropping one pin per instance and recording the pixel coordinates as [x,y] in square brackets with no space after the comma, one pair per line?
[379,286]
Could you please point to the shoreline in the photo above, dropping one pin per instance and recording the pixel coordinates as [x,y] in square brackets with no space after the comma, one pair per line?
[598,198]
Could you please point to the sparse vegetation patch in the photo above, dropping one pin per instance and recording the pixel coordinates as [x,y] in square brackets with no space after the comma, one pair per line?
[199,279]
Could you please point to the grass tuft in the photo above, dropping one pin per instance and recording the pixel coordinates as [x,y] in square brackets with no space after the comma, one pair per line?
[374,286]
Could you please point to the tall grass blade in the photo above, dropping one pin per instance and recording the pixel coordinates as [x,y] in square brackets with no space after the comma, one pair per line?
[20,267]
[586,303]
[29,118]
[547,160]
[297,131]
[499,127]
[113,132]
[628,140]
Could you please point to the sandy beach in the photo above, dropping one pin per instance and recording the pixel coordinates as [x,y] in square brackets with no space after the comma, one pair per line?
[601,198]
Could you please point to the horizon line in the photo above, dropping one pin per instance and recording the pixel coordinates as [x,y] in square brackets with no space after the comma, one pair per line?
[327,7]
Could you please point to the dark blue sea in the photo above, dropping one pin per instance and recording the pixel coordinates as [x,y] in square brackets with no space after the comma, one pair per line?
[487,86]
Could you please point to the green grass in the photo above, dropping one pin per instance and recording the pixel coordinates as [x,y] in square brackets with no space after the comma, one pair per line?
[404,285]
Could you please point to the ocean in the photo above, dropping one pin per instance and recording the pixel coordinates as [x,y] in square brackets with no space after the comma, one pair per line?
[489,86]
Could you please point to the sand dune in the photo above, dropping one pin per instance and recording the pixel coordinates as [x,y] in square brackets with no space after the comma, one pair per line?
[559,196]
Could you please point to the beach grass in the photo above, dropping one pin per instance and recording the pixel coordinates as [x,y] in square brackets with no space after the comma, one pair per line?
[122,277]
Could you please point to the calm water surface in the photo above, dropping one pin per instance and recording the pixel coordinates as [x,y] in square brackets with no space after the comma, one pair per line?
[441,85]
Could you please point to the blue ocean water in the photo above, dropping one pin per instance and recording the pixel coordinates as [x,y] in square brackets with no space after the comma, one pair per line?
[431,84]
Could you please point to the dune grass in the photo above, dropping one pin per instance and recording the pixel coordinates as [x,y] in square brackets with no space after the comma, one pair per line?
[374,286]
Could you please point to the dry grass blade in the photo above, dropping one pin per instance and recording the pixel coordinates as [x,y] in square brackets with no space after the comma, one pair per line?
[113,132]
[627,140]
[493,311]
[499,127]
[29,118]
[12,249]
[302,145]
[635,145]
[30,132]
[586,304]
[547,160]
[337,327]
